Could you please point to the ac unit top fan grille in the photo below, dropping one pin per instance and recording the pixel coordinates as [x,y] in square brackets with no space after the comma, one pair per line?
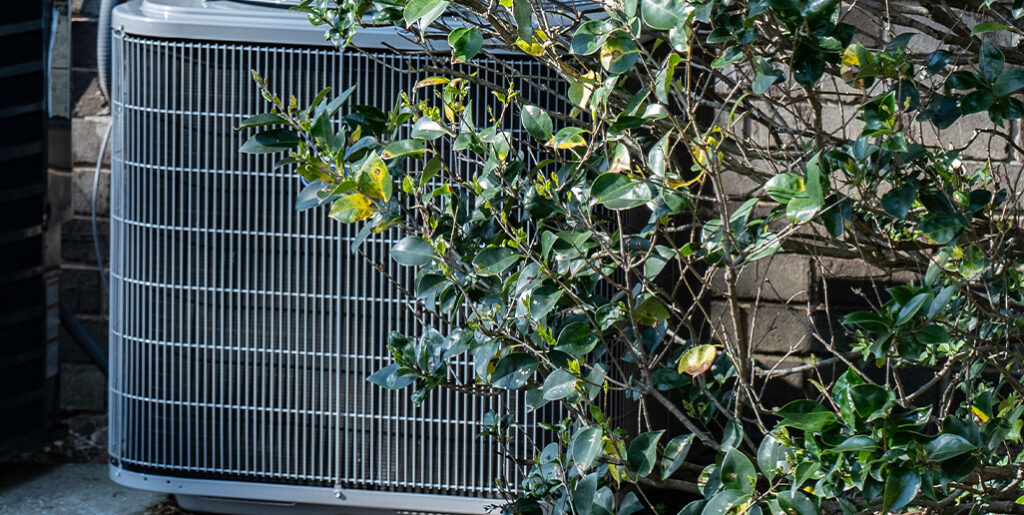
[242,331]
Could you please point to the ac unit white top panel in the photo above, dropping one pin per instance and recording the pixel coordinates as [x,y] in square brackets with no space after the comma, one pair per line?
[239,22]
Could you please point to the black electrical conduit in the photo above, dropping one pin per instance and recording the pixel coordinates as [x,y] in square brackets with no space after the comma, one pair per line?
[83,339]
[67,317]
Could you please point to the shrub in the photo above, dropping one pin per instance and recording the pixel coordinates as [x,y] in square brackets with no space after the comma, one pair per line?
[583,257]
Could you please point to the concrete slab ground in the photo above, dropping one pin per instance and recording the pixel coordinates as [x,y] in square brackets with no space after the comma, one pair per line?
[69,488]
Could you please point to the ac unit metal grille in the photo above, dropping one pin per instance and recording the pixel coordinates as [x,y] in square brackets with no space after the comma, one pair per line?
[242,331]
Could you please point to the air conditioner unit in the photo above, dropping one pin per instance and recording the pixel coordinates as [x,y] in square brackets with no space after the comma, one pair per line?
[241,330]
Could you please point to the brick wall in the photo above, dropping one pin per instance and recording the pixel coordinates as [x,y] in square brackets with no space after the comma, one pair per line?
[792,300]
[83,387]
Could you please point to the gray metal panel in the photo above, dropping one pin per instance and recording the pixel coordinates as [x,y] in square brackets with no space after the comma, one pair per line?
[226,20]
[342,500]
[266,21]
[242,331]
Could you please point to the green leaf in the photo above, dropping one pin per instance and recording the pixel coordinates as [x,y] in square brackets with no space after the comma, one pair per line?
[522,11]
[948,445]
[731,55]
[765,76]
[725,502]
[616,191]
[675,454]
[911,308]
[856,443]
[805,471]
[1010,81]
[942,111]
[899,200]
[976,101]
[868,399]
[583,495]
[664,14]
[494,260]
[619,54]
[964,80]
[332,107]
[261,120]
[309,196]
[808,64]
[537,122]
[807,415]
[351,208]
[388,377]
[643,452]
[423,11]
[465,43]
[737,472]
[590,36]
[697,360]
[815,8]
[630,505]
[569,137]
[272,141]
[514,370]
[656,262]
[813,183]
[937,61]
[940,227]
[374,179]
[900,489]
[837,215]
[783,187]
[933,334]
[427,129]
[990,60]
[585,446]
[543,300]
[576,339]
[651,311]
[403,148]
[794,502]
[983,28]
[771,457]
[559,384]
[430,170]
[663,82]
[801,209]
[412,251]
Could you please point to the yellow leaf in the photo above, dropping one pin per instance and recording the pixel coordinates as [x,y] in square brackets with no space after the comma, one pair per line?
[351,208]
[849,67]
[621,161]
[677,183]
[850,56]
[980,414]
[697,360]
[431,81]
[374,179]
[534,49]
[616,475]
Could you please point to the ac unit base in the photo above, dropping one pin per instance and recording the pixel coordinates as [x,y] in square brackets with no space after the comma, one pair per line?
[240,507]
[239,497]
